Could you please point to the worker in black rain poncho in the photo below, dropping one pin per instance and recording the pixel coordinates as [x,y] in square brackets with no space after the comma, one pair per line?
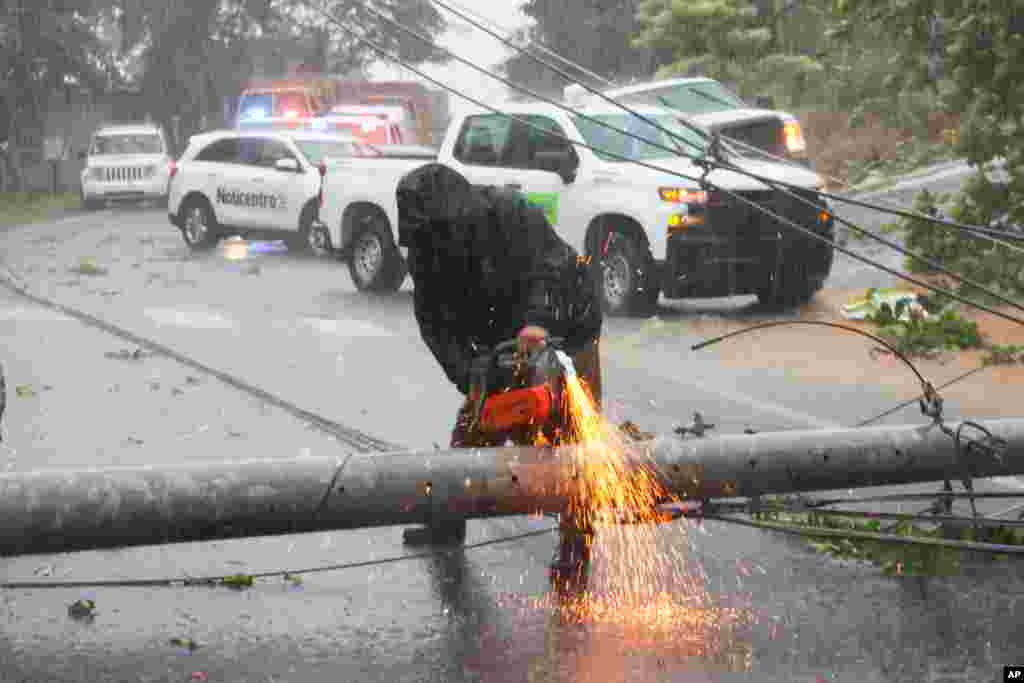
[487,267]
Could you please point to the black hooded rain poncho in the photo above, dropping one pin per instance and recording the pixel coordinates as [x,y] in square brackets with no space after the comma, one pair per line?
[485,264]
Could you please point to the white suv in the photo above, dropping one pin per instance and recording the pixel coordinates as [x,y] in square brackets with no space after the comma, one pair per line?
[254,184]
[129,162]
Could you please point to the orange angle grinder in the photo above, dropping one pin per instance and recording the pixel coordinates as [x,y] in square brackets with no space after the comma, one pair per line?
[519,396]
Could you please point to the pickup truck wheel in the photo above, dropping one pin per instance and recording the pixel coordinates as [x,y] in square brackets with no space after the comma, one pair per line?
[198,226]
[374,262]
[629,285]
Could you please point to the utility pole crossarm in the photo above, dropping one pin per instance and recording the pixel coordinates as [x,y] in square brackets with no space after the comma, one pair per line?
[61,511]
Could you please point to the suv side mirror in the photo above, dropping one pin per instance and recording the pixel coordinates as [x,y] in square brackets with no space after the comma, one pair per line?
[291,165]
[560,161]
[764,102]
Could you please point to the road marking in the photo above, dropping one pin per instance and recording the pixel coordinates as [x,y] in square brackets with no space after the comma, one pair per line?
[206,320]
[716,389]
[763,406]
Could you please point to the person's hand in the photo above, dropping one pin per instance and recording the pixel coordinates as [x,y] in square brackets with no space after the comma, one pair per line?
[532,337]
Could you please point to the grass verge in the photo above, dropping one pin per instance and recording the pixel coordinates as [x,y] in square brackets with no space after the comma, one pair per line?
[22,208]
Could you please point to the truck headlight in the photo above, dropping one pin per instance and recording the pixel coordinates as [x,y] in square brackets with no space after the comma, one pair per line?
[682,195]
[96,173]
[149,171]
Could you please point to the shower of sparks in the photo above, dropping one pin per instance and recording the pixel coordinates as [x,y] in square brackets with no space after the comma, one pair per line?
[641,584]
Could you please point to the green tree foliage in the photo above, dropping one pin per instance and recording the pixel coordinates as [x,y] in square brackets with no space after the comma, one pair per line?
[196,54]
[596,34]
[46,46]
[984,61]
[806,54]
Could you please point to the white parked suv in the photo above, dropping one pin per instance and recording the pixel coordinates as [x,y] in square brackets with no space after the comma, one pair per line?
[129,162]
[262,184]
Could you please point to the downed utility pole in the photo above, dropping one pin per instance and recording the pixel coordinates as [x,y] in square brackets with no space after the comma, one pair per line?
[61,511]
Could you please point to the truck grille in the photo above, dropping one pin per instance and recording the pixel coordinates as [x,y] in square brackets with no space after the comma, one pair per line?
[123,174]
[728,215]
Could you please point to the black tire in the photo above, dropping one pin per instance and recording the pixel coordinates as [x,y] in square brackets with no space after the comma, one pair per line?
[629,283]
[803,274]
[374,262]
[199,228]
[310,239]
[91,204]
[793,289]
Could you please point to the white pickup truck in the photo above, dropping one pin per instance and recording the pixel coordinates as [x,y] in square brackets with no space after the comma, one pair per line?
[651,231]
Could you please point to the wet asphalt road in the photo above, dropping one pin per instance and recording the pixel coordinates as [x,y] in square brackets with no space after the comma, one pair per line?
[294,326]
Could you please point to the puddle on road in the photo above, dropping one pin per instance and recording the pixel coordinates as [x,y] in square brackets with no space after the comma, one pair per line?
[346,328]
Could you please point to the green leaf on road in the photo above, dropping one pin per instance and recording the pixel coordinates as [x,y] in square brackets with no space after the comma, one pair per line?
[89,266]
[82,609]
[238,581]
[186,643]
[28,391]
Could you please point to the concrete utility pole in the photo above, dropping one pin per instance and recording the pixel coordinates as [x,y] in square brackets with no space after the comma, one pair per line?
[60,511]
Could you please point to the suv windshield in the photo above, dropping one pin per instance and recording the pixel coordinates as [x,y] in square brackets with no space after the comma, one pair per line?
[704,97]
[139,143]
[615,145]
[318,150]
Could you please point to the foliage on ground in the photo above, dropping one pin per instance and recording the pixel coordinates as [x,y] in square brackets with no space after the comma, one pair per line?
[892,558]
[22,208]
[937,327]
[1011,354]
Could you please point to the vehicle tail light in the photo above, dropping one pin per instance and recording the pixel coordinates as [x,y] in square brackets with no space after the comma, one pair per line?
[172,168]
[793,138]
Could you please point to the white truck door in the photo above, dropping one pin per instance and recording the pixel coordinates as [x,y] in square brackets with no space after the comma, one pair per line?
[479,149]
[533,156]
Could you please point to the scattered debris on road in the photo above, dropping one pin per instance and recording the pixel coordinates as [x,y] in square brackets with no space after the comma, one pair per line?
[237,581]
[82,609]
[1004,355]
[186,643]
[125,354]
[28,391]
[88,266]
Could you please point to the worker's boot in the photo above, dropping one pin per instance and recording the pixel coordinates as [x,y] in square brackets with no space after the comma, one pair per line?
[450,532]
